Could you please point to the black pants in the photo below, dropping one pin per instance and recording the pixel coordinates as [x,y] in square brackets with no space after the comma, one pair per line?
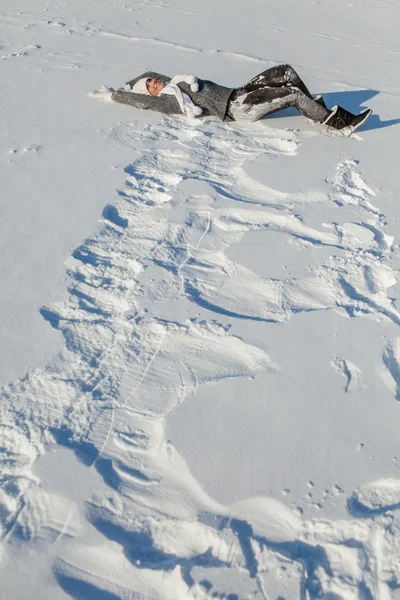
[275,89]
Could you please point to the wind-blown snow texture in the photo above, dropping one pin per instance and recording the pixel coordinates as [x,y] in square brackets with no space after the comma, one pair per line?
[221,420]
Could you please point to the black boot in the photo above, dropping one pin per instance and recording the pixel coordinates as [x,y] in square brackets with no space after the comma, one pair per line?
[320,101]
[341,119]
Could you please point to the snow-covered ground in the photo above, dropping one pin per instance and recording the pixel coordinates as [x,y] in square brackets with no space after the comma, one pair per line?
[199,320]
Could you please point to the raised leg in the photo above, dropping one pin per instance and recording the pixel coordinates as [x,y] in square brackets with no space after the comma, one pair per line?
[279,76]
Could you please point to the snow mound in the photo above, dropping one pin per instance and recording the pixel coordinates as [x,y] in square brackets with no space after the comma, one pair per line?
[380,496]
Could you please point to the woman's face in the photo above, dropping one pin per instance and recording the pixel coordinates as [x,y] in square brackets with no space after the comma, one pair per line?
[154,86]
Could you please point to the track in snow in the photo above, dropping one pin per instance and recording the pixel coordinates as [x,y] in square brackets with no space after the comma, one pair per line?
[128,364]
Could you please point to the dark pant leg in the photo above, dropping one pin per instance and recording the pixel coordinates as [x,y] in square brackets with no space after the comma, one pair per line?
[279,76]
[253,105]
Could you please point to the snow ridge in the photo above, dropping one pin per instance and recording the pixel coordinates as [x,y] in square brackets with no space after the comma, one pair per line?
[127,364]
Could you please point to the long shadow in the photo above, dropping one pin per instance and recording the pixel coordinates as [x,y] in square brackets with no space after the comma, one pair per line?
[82,590]
[195,296]
[353,100]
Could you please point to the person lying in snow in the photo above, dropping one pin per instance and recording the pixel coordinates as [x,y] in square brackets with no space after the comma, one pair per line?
[272,90]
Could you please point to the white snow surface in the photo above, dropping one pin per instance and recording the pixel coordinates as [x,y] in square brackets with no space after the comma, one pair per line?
[200,344]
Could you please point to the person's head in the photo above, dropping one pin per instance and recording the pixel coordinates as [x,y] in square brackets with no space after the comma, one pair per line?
[154,86]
